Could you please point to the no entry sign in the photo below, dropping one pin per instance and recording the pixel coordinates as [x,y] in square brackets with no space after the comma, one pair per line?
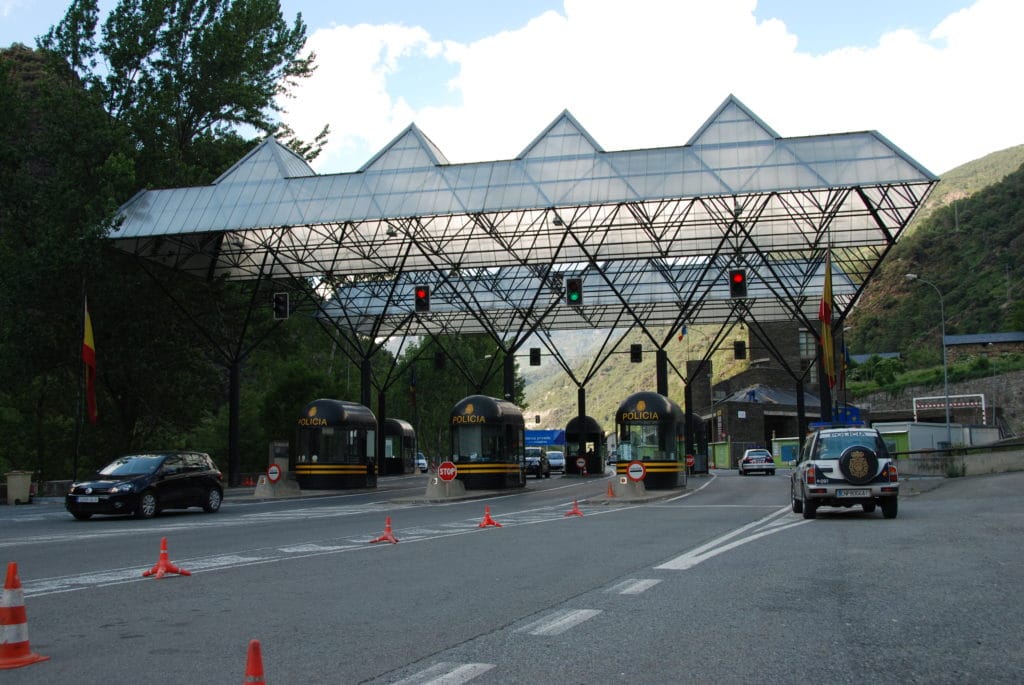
[447,471]
[636,471]
[273,473]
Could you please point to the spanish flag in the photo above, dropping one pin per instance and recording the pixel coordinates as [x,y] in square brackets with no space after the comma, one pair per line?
[828,360]
[89,357]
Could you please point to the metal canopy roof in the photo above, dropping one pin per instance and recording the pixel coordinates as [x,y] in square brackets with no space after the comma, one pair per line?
[652,232]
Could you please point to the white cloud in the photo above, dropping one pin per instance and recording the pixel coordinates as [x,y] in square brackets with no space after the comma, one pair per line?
[649,76]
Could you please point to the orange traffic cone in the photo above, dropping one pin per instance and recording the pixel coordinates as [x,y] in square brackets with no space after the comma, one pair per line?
[164,565]
[611,490]
[388,536]
[14,648]
[254,664]
[575,511]
[488,521]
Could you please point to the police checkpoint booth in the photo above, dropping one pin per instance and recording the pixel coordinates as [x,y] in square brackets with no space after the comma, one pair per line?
[585,439]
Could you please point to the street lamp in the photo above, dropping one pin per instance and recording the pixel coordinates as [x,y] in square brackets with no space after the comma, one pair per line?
[945,367]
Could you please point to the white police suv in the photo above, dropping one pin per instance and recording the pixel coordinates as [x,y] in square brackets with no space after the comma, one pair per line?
[843,467]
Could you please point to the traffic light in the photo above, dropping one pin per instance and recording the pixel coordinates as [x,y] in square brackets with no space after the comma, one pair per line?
[636,353]
[422,298]
[739,349]
[738,283]
[280,306]
[534,356]
[574,291]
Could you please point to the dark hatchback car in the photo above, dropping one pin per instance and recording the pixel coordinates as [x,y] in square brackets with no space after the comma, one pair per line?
[537,463]
[146,483]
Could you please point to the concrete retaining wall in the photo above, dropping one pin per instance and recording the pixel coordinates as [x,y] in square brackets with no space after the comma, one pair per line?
[961,464]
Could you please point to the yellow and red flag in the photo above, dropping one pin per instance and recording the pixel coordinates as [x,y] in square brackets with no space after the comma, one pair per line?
[89,357]
[828,360]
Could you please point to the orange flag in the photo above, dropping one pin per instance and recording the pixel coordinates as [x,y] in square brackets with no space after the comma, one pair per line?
[89,357]
[825,317]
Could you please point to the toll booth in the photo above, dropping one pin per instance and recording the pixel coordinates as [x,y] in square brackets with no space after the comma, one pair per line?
[335,446]
[584,438]
[399,447]
[488,443]
[651,429]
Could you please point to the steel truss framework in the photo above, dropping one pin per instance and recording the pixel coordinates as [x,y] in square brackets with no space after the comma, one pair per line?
[653,233]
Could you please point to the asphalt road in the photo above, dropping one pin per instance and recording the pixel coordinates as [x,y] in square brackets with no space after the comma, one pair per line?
[717,583]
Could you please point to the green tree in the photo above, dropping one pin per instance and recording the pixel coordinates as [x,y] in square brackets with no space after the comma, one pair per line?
[174,88]
[64,167]
[186,76]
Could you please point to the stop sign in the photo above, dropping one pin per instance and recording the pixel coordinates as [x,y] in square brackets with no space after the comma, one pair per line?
[447,471]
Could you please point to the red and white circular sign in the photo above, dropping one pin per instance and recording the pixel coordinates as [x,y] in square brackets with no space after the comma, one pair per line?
[689,460]
[636,471]
[447,471]
[273,473]
[581,462]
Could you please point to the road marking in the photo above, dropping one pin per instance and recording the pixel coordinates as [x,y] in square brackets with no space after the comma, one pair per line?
[633,586]
[559,622]
[446,673]
[769,524]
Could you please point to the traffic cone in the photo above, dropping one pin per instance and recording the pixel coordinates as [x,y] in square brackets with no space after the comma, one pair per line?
[164,565]
[488,521]
[14,648]
[388,536]
[254,664]
[575,511]
[611,490]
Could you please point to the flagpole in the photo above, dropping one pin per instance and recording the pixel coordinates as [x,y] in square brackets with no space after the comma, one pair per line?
[80,400]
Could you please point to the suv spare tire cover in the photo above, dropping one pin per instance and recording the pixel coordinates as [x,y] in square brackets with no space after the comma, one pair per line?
[858,464]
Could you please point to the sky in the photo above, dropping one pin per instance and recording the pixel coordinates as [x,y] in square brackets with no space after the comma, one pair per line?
[482,78]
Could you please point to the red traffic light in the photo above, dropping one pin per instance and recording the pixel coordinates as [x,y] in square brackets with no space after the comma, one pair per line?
[738,283]
[422,293]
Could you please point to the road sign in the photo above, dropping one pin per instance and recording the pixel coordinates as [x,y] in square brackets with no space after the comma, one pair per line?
[273,473]
[447,471]
[581,462]
[636,471]
[689,460]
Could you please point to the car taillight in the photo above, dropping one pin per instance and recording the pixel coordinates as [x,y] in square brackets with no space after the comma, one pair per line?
[892,473]
[809,475]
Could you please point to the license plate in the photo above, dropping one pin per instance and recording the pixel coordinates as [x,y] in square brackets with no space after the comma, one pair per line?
[88,500]
[853,493]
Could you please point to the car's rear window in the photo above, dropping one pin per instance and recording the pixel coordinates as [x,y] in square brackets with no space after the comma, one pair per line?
[833,445]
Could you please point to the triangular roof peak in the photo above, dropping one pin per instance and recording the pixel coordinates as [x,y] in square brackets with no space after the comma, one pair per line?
[732,122]
[563,136]
[269,160]
[410,149]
